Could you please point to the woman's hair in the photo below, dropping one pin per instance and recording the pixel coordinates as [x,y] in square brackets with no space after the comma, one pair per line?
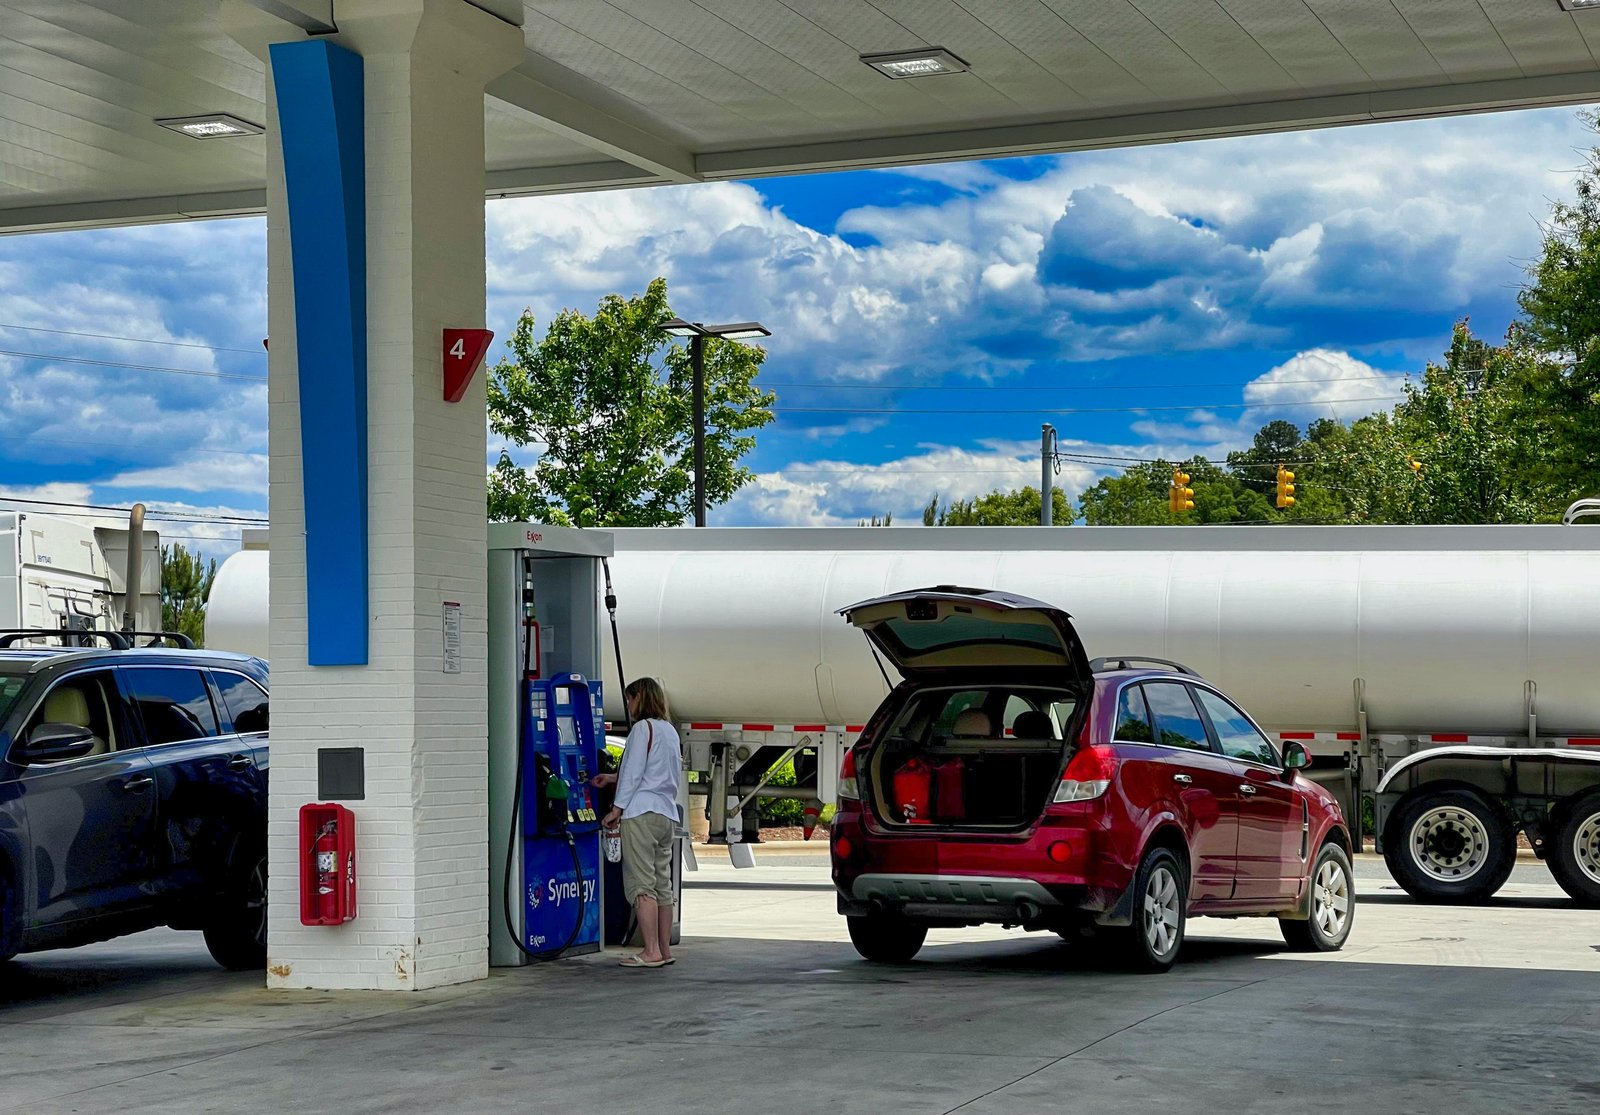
[648,697]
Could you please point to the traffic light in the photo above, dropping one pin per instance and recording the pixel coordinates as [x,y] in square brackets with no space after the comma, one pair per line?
[1416,465]
[1285,488]
[1180,497]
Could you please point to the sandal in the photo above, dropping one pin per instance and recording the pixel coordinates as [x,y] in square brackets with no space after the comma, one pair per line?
[634,962]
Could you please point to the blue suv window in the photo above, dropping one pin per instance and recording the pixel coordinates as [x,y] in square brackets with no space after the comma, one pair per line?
[243,700]
[174,703]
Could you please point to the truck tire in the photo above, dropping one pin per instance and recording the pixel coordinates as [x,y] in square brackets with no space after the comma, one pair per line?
[1575,858]
[1160,899]
[1450,846]
[1332,905]
[236,934]
[886,938]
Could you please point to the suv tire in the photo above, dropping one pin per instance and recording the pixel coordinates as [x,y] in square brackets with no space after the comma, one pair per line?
[10,919]
[1575,858]
[1331,904]
[1160,897]
[886,938]
[236,934]
[1450,846]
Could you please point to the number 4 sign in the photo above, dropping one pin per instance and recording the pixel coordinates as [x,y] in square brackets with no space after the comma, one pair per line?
[463,352]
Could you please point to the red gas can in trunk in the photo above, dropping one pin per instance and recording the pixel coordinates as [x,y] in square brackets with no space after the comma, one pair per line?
[949,789]
[913,792]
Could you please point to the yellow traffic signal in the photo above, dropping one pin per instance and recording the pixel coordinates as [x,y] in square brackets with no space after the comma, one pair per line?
[1180,497]
[1285,488]
[1416,465]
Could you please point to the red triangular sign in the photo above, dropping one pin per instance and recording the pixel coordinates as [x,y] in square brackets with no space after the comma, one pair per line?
[463,352]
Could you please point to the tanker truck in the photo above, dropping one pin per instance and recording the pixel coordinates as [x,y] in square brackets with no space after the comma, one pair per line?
[1448,675]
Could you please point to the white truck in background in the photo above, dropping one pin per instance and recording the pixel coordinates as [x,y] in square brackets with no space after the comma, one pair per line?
[58,574]
[1448,674]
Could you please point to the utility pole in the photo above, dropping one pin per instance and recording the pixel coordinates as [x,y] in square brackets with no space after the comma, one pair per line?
[697,360]
[1047,465]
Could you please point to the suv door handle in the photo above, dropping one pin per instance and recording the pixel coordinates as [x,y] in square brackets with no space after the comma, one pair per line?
[1182,779]
[133,785]
[1246,788]
[240,762]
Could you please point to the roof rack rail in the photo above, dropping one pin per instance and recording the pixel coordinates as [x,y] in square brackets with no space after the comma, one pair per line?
[1122,662]
[11,636]
[176,638]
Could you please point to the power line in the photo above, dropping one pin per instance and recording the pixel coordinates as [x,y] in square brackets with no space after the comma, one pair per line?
[87,510]
[132,340]
[1064,387]
[147,450]
[1088,410]
[133,367]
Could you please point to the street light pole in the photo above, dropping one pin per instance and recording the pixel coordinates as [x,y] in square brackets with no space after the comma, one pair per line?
[1047,464]
[697,360]
[696,334]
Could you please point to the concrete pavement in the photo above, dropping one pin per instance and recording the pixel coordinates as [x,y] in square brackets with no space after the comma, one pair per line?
[1485,1009]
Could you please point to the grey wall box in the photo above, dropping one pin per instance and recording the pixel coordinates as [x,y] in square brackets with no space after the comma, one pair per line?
[341,773]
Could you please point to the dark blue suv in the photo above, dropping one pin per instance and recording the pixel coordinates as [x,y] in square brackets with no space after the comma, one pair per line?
[133,793]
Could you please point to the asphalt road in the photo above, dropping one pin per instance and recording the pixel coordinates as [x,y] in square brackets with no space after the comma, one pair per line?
[1461,1010]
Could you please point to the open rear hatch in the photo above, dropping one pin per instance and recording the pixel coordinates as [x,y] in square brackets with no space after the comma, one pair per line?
[1000,682]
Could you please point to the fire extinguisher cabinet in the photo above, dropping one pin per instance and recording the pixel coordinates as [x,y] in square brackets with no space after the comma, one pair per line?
[327,864]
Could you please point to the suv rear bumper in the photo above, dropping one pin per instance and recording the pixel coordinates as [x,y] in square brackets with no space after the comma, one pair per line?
[955,897]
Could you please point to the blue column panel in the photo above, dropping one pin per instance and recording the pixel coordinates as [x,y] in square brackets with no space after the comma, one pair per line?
[321,122]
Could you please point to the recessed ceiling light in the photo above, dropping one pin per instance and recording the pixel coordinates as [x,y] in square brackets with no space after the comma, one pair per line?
[1578,5]
[927,62]
[213,125]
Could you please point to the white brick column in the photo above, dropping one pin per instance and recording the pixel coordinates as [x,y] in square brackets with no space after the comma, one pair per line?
[422,826]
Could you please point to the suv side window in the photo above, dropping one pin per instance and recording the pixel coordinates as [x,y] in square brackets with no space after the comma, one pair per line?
[83,700]
[1178,722]
[1133,717]
[1238,736]
[173,702]
[243,701]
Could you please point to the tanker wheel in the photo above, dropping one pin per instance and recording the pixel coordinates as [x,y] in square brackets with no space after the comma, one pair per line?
[1450,846]
[1575,856]
[886,938]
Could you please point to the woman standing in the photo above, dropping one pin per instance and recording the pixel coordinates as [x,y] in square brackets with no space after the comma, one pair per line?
[649,786]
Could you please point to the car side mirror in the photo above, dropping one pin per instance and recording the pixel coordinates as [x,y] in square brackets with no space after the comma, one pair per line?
[51,743]
[1295,757]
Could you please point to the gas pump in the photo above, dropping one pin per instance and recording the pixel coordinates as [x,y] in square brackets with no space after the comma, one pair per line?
[546,728]
[560,827]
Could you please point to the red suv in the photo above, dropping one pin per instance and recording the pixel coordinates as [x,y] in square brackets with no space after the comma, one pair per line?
[1009,779]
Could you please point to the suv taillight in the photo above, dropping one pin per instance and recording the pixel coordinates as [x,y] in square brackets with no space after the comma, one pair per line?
[848,789]
[1088,774]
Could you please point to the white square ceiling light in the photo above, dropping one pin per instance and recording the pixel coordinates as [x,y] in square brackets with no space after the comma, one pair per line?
[213,125]
[927,62]
[1578,5]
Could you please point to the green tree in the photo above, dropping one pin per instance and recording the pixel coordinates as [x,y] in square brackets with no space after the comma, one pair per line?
[1138,497]
[185,590]
[876,521]
[999,508]
[614,431]
[1561,312]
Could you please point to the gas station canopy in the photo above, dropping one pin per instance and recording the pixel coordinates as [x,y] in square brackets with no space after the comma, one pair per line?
[610,93]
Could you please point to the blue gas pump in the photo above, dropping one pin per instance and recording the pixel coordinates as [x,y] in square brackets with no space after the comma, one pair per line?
[560,821]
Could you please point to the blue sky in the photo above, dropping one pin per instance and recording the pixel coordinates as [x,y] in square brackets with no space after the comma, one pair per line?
[925,320]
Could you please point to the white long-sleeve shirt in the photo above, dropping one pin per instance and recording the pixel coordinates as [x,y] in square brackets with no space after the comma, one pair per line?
[651,772]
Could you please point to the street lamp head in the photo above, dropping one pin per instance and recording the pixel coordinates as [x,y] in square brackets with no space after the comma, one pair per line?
[677,327]
[740,331]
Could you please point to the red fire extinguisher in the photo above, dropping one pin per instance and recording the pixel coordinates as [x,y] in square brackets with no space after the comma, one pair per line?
[325,870]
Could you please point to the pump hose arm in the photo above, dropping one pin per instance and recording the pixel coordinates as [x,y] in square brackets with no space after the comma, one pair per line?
[616,640]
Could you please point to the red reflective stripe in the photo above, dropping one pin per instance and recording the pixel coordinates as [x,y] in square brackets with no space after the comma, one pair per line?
[1349,735]
[856,728]
[1584,741]
[1451,738]
[705,727]
[811,727]
[1297,735]
[757,727]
